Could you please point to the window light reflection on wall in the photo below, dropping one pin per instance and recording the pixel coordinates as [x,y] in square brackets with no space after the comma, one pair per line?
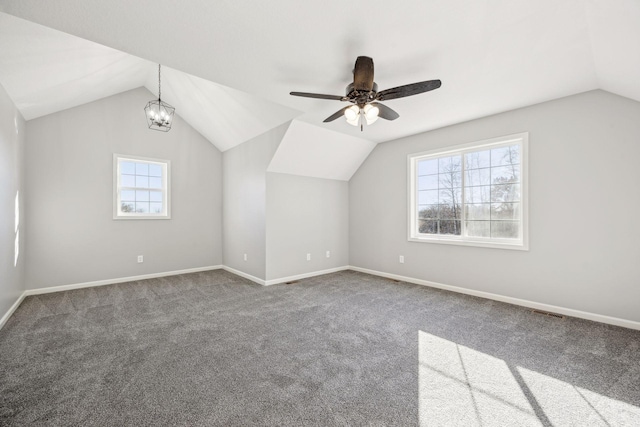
[16,249]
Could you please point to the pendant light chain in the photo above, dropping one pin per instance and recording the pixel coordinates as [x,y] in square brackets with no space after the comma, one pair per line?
[159,85]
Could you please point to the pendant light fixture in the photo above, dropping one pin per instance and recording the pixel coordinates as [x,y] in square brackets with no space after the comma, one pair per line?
[159,113]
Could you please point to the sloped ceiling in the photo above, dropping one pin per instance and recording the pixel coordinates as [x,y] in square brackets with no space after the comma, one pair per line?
[226,117]
[321,153]
[614,29]
[491,55]
[45,71]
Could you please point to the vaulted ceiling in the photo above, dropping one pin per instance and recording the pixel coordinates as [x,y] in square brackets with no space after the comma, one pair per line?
[231,64]
[46,71]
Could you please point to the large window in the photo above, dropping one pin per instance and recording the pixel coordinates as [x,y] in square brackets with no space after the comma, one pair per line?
[472,194]
[141,188]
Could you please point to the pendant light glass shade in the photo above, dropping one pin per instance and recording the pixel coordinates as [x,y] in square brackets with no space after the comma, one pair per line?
[159,113]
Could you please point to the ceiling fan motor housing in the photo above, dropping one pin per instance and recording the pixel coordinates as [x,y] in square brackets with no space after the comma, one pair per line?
[361,97]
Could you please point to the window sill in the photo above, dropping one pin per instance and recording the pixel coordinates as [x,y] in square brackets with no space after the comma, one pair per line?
[519,246]
[140,217]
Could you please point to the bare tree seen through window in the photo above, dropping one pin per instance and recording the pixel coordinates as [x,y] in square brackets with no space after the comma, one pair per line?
[491,205]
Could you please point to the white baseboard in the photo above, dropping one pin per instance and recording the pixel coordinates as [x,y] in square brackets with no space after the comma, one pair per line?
[13,308]
[282,279]
[40,291]
[496,297]
[511,300]
[245,275]
[305,275]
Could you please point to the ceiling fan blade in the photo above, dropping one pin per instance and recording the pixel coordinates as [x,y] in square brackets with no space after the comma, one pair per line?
[317,95]
[363,74]
[408,90]
[336,115]
[385,112]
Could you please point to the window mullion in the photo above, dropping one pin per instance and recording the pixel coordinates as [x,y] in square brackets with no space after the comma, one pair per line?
[141,188]
[463,227]
[416,211]
[119,188]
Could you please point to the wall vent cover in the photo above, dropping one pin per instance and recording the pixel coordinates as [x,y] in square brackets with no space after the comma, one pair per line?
[548,313]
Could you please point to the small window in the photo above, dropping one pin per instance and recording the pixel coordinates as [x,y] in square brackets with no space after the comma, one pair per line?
[473,194]
[141,188]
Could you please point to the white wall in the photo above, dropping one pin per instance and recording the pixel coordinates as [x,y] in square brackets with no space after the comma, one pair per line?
[276,219]
[12,137]
[583,195]
[73,237]
[244,202]
[306,215]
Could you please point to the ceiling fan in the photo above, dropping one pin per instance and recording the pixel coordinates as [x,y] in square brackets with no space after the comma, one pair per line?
[363,94]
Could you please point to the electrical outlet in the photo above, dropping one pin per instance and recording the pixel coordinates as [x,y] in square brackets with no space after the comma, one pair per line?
[401,259]
[245,257]
[328,254]
[308,257]
[140,259]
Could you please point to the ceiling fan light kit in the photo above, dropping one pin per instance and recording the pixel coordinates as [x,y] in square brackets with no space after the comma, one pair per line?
[356,116]
[363,94]
[159,113]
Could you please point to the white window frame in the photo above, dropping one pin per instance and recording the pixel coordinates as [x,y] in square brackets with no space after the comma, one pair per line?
[522,243]
[166,188]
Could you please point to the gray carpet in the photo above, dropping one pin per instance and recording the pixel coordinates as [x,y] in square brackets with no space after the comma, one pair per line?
[342,349]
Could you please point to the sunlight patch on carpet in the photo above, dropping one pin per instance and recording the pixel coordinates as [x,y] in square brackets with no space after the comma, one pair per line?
[565,404]
[459,386]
